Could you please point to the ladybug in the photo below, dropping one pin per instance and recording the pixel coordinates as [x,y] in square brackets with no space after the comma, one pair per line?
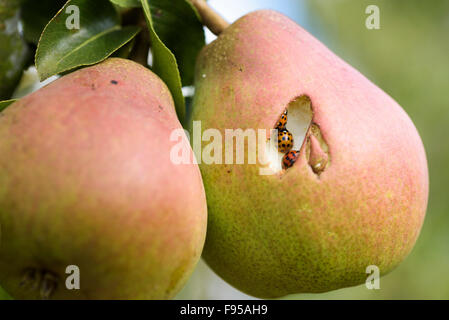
[282,121]
[285,141]
[289,159]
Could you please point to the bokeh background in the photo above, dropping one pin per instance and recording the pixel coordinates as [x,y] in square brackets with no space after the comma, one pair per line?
[408,57]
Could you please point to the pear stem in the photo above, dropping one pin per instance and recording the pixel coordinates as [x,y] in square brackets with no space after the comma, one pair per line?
[210,18]
[139,52]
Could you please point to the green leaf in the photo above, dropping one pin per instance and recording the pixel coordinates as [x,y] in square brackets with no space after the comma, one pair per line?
[4,295]
[14,52]
[6,103]
[126,3]
[165,65]
[35,16]
[178,25]
[61,49]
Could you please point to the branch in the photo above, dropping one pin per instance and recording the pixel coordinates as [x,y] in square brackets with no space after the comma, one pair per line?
[210,18]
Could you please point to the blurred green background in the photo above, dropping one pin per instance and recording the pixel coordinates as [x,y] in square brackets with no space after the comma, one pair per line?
[408,57]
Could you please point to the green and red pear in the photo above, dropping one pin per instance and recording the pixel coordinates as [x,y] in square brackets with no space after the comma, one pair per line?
[86,180]
[357,193]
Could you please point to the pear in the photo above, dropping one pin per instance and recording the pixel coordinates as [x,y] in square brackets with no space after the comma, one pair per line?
[91,205]
[354,191]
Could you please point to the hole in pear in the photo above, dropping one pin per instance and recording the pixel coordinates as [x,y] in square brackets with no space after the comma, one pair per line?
[299,119]
[317,150]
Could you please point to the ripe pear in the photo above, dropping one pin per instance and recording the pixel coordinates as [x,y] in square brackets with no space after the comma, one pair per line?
[87,185]
[357,193]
